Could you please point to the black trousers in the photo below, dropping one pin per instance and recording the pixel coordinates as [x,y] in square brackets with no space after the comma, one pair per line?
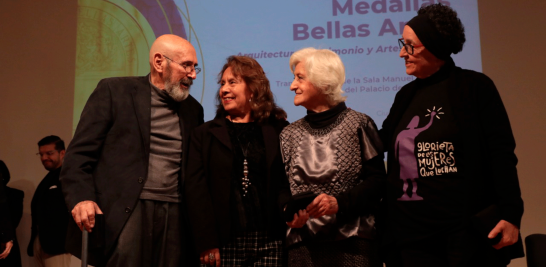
[459,249]
[151,237]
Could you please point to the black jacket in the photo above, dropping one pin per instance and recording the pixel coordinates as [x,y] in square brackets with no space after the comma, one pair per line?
[15,201]
[7,231]
[208,183]
[11,211]
[49,216]
[107,160]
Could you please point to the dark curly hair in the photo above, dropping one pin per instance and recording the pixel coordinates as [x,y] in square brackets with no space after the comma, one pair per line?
[262,103]
[447,23]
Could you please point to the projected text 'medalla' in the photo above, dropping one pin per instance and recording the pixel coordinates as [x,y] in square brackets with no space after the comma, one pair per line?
[337,29]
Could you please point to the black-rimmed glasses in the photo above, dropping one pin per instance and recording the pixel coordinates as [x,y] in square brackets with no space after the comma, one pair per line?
[186,67]
[49,153]
[409,48]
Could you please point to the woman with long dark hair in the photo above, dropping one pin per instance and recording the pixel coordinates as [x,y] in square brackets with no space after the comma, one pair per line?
[236,186]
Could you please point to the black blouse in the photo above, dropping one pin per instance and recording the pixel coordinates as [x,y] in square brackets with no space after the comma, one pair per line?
[248,209]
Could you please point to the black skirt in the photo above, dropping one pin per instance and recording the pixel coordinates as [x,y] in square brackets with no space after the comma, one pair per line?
[353,251]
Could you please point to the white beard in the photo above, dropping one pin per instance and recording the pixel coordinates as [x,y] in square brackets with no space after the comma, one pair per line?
[176,92]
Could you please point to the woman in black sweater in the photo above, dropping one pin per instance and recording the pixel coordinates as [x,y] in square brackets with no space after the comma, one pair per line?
[453,197]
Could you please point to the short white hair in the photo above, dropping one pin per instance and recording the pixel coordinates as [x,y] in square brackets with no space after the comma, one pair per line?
[324,70]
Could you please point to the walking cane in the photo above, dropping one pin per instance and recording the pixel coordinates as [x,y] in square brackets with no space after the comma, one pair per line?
[85,237]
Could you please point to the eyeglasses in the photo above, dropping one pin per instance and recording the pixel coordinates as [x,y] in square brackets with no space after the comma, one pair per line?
[187,68]
[409,48]
[49,153]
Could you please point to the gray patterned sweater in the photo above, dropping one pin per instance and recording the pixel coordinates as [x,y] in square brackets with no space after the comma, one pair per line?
[344,160]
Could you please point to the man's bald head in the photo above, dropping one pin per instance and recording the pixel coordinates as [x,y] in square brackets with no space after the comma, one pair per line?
[168,44]
[171,57]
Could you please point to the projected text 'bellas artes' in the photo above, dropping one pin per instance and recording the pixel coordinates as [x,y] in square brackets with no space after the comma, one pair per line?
[338,29]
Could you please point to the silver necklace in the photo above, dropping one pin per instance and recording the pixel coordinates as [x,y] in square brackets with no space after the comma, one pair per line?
[245,181]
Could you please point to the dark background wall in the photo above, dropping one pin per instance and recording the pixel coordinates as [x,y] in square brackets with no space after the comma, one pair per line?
[38,48]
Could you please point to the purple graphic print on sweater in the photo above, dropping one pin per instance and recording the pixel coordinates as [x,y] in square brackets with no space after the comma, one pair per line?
[404,148]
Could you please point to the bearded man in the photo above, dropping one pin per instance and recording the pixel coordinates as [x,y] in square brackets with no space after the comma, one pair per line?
[126,161]
[48,210]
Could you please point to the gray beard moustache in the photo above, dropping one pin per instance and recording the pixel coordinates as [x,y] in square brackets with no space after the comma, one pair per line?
[176,92]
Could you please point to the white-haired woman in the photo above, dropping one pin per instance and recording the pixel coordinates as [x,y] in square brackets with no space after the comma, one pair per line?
[335,153]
